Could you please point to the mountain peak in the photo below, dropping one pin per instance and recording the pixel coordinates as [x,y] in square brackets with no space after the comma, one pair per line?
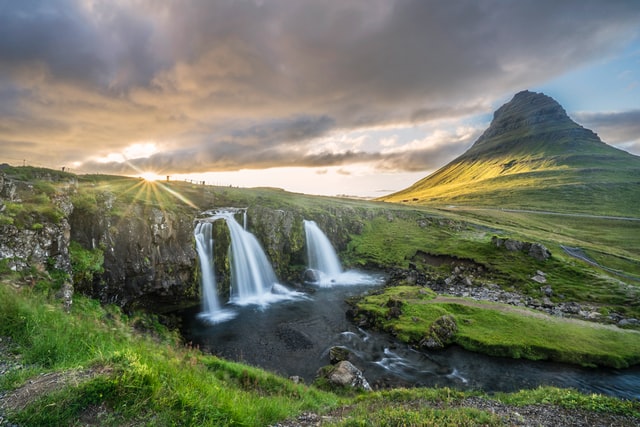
[529,115]
[533,156]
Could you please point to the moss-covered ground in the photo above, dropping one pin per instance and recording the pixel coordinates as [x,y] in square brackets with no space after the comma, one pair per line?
[498,329]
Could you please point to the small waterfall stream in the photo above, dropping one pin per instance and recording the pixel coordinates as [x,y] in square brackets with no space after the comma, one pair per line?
[320,253]
[324,268]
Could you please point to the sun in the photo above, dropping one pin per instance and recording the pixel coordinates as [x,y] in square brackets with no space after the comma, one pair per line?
[149,176]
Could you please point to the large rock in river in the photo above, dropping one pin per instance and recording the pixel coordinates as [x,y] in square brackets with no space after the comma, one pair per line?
[345,374]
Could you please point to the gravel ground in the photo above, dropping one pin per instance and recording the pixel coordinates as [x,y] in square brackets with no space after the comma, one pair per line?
[520,416]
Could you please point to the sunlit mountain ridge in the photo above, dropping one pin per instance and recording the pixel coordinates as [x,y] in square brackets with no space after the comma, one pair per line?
[534,156]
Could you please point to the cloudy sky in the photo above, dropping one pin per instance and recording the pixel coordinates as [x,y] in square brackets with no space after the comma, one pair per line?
[359,97]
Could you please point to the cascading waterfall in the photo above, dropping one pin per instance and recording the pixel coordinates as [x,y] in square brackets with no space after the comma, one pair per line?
[204,247]
[324,268]
[320,253]
[211,309]
[252,277]
[253,280]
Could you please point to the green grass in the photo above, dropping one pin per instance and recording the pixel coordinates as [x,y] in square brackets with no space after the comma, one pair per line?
[136,378]
[571,399]
[420,407]
[147,379]
[395,241]
[502,330]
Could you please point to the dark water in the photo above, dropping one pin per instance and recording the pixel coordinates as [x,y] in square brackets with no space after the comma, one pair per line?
[294,337]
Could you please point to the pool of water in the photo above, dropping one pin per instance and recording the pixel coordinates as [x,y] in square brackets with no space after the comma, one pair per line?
[293,337]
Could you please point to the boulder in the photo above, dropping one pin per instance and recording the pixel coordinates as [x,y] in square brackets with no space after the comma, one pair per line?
[534,250]
[539,252]
[345,374]
[310,276]
[440,333]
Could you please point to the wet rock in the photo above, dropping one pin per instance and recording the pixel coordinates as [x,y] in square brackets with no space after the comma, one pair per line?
[310,276]
[338,354]
[345,374]
[293,339]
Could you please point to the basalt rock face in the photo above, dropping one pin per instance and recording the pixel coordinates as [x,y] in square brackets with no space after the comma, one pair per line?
[282,235]
[38,239]
[149,254]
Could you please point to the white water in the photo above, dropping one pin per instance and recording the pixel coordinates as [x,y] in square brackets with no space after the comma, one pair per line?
[320,253]
[253,280]
[211,309]
[252,277]
[322,258]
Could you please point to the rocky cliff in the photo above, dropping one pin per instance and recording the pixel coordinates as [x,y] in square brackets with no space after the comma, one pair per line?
[146,241]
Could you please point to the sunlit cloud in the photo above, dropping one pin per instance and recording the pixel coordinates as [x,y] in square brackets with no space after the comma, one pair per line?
[226,86]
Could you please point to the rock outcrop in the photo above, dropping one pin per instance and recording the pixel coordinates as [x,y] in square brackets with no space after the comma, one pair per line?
[440,333]
[147,245]
[38,239]
[149,254]
[535,250]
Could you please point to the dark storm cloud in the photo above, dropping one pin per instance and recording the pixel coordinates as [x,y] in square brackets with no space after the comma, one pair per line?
[615,128]
[229,84]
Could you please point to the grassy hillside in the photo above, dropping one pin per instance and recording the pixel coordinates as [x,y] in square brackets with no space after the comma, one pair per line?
[533,156]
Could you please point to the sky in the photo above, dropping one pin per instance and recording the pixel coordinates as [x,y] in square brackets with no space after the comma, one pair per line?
[334,97]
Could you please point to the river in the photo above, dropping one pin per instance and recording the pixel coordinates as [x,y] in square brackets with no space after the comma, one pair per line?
[294,337]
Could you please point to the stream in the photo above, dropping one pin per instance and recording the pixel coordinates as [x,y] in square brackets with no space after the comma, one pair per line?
[293,337]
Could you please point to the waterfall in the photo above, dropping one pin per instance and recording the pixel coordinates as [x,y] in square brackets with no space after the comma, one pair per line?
[204,247]
[320,254]
[252,277]
[211,309]
[253,280]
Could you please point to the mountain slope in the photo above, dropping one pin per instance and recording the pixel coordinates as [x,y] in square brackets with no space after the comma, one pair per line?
[533,156]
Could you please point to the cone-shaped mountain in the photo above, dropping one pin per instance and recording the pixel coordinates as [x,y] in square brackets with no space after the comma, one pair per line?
[533,156]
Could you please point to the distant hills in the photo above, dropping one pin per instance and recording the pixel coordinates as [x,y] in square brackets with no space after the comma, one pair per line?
[533,156]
